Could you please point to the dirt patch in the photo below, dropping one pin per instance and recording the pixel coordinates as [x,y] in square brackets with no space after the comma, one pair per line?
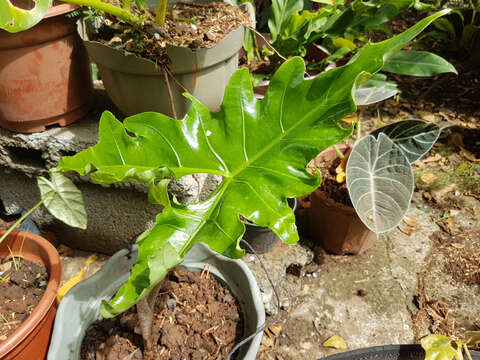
[186,25]
[196,318]
[22,284]
[335,190]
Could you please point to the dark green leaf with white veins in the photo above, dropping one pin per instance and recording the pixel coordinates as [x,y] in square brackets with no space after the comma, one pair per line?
[63,200]
[413,137]
[380,182]
[260,147]
[418,63]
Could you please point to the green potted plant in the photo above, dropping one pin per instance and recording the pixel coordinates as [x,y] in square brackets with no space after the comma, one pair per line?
[147,56]
[374,190]
[44,71]
[260,147]
[29,339]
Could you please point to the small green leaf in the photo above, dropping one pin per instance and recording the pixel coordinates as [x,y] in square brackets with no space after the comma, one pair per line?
[418,63]
[424,209]
[63,200]
[14,19]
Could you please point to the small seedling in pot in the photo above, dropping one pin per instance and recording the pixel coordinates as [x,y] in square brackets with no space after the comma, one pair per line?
[261,148]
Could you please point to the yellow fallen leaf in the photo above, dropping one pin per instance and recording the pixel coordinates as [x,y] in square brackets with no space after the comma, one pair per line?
[341,177]
[65,288]
[335,342]
[275,329]
[428,177]
[68,285]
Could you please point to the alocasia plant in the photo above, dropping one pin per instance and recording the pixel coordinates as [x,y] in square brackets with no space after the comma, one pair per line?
[259,147]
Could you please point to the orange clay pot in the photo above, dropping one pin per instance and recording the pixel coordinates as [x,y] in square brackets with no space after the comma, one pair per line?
[336,226]
[44,74]
[30,341]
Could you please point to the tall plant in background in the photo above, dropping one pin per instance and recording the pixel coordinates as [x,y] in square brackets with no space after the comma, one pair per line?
[297,119]
[336,25]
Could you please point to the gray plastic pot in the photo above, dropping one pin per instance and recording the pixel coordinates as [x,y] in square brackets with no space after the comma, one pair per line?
[81,306]
[262,239]
[137,85]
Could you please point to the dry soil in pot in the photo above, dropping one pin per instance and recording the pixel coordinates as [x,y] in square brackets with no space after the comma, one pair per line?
[196,317]
[22,284]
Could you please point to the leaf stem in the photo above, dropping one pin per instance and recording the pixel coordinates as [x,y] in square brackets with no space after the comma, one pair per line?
[19,221]
[110,9]
[160,13]
[339,153]
[359,126]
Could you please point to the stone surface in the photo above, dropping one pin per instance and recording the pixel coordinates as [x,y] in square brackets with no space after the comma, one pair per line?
[372,299]
[276,263]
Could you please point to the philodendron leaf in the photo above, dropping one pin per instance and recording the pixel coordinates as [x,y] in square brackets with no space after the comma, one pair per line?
[439,347]
[413,137]
[380,182]
[418,63]
[260,147]
[14,19]
[63,200]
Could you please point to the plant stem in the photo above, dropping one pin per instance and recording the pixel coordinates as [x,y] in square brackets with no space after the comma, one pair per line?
[339,153]
[126,5]
[160,13]
[359,127]
[19,221]
[110,9]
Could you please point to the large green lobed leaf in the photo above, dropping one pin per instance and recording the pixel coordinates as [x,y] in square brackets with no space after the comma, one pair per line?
[260,147]
[14,19]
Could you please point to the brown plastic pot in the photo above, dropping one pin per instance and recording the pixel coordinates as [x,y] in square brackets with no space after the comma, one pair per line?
[337,226]
[30,341]
[44,74]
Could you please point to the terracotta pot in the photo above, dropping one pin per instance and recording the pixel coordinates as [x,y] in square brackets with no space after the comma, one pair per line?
[44,74]
[30,341]
[337,226]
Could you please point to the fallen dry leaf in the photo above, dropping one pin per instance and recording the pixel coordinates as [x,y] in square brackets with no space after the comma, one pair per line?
[434,158]
[468,155]
[411,221]
[335,342]
[275,329]
[440,193]
[64,250]
[407,230]
[428,177]
[446,225]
